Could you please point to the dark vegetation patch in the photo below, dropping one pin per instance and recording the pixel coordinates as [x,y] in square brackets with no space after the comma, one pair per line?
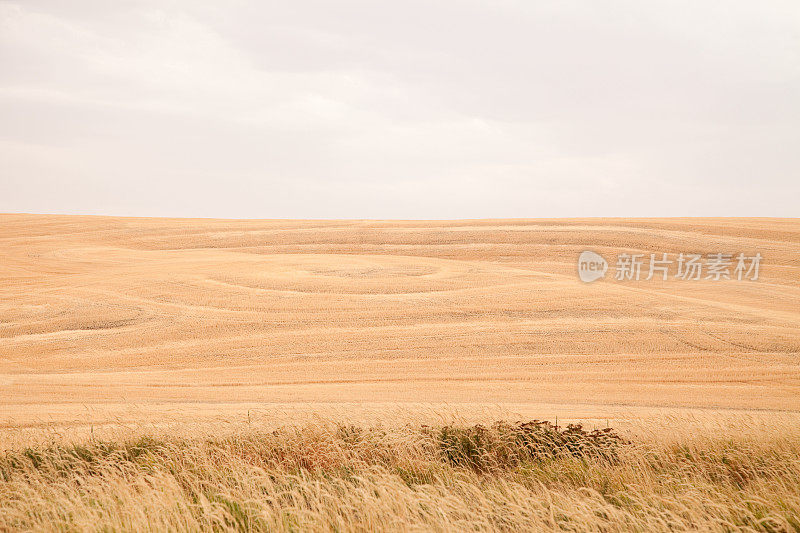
[503,445]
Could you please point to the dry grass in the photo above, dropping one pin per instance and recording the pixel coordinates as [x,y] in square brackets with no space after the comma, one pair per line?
[455,478]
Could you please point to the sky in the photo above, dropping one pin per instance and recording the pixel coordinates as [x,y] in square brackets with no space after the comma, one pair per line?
[404,109]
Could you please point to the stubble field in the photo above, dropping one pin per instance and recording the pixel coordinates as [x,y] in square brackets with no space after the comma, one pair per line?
[200,330]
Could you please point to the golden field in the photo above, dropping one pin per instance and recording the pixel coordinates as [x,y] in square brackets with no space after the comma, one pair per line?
[99,314]
[206,332]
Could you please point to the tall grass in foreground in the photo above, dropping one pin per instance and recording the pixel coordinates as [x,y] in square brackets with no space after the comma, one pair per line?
[532,476]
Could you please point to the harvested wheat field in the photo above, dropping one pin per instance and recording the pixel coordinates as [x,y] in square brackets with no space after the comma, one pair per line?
[101,314]
[317,375]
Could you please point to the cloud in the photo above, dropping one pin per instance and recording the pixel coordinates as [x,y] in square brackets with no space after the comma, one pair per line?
[412,109]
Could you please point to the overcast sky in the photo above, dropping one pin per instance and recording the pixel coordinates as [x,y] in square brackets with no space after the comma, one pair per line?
[401,109]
